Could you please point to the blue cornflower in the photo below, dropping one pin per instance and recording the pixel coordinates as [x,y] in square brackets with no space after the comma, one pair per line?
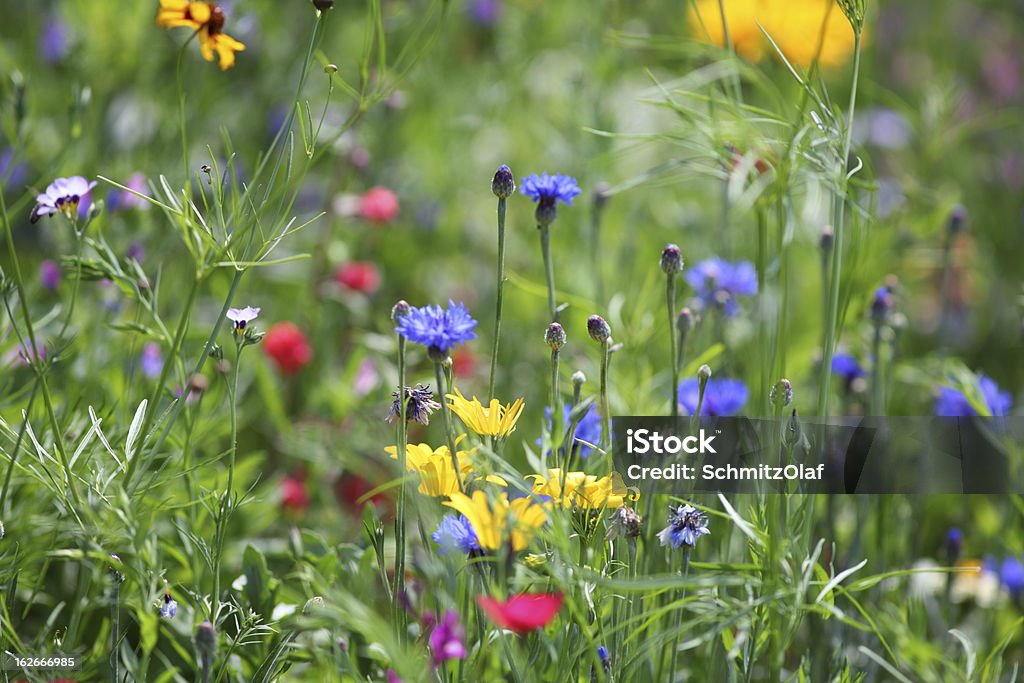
[685,525]
[437,328]
[1011,574]
[455,534]
[151,361]
[953,403]
[718,282]
[847,367]
[588,429]
[954,544]
[722,397]
[605,657]
[547,190]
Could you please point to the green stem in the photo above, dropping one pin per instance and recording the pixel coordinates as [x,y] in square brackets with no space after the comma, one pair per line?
[877,384]
[500,289]
[443,389]
[549,270]
[839,210]
[556,410]
[670,300]
[401,439]
[115,633]
[606,416]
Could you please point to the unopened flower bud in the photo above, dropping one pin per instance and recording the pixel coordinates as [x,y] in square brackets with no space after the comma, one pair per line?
[957,221]
[115,575]
[601,195]
[671,259]
[881,305]
[400,310]
[598,329]
[685,321]
[504,183]
[439,355]
[781,394]
[704,373]
[555,336]
[206,640]
[827,240]
[578,379]
[323,5]
[330,69]
[314,604]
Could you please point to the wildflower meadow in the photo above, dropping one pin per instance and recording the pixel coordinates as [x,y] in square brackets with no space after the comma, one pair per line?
[506,340]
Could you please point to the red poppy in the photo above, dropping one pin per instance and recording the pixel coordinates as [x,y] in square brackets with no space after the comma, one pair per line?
[378,205]
[463,363]
[288,347]
[350,489]
[358,276]
[294,497]
[522,613]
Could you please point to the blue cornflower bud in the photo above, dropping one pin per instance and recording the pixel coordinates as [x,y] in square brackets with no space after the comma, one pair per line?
[954,544]
[598,329]
[504,183]
[957,220]
[781,394]
[555,336]
[671,259]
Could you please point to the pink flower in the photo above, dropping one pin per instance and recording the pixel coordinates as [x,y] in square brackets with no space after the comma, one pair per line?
[378,206]
[293,495]
[358,276]
[522,613]
[288,347]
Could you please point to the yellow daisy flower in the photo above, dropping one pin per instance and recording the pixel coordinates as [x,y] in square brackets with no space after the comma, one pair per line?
[803,29]
[437,473]
[494,420]
[207,19]
[582,490]
[496,519]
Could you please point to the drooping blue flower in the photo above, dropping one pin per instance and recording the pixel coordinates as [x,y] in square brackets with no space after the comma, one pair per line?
[722,397]
[685,525]
[718,282]
[588,429]
[550,188]
[151,361]
[436,327]
[455,534]
[169,608]
[1011,574]
[953,403]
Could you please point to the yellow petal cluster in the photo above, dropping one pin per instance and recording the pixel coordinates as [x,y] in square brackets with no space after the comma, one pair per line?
[207,19]
[582,490]
[497,520]
[435,467]
[494,420]
[803,29]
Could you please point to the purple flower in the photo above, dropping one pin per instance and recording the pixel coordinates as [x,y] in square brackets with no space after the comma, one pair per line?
[136,252]
[550,188]
[953,403]
[484,12]
[55,40]
[847,367]
[455,535]
[718,282]
[447,639]
[685,525]
[49,275]
[242,316]
[11,176]
[169,608]
[121,199]
[1011,574]
[588,429]
[151,360]
[722,397]
[393,677]
[437,328]
[63,195]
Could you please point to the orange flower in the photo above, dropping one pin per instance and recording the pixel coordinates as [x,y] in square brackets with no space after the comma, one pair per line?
[207,19]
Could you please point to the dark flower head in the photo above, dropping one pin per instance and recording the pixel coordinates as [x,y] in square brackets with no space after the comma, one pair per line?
[953,403]
[847,367]
[957,220]
[504,183]
[400,310]
[598,329]
[781,394]
[827,239]
[62,195]
[419,405]
[547,190]
[722,397]
[455,534]
[685,525]
[954,544]
[437,328]
[206,640]
[554,336]
[718,283]
[685,321]
[881,305]
[671,259]
[624,522]
[605,657]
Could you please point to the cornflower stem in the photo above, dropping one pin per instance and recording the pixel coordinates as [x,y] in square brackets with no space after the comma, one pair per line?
[877,385]
[227,500]
[606,416]
[443,387]
[678,614]
[549,269]
[207,667]
[839,211]
[58,433]
[947,277]
[670,301]
[595,251]
[401,440]
[115,633]
[499,292]
[556,413]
